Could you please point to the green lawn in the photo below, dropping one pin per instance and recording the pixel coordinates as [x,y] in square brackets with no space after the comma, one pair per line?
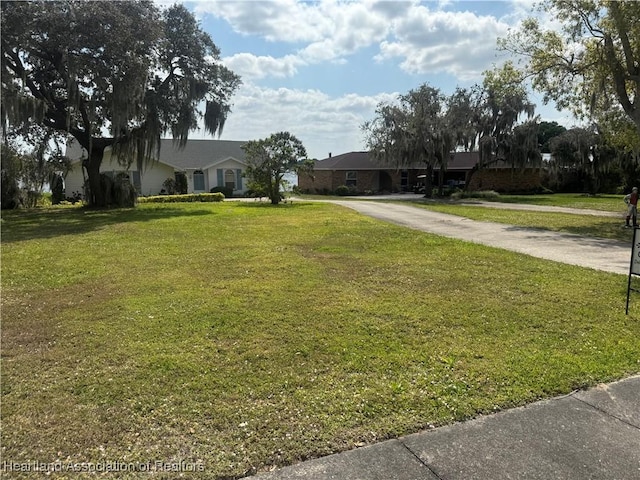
[585,225]
[238,336]
[606,202]
[611,227]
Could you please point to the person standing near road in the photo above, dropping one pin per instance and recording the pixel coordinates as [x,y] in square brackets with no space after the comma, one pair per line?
[632,207]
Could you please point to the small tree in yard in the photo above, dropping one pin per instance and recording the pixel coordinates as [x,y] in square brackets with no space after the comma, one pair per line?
[270,159]
[26,172]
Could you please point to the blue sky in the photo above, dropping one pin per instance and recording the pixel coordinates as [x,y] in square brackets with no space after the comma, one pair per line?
[318,69]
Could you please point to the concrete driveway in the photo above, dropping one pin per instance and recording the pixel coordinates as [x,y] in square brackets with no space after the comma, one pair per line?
[600,254]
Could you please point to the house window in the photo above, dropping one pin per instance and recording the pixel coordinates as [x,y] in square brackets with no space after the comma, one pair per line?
[230,179]
[351,179]
[198,181]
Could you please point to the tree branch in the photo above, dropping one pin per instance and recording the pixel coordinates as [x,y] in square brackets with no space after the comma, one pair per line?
[618,77]
[632,65]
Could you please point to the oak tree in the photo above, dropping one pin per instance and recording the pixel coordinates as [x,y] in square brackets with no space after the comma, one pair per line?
[117,75]
[591,66]
[422,129]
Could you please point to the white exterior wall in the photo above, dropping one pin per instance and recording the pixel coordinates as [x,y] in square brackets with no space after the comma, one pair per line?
[74,181]
[151,179]
[229,164]
[153,176]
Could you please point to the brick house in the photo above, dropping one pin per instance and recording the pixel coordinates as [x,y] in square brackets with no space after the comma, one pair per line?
[356,171]
[506,179]
[360,173]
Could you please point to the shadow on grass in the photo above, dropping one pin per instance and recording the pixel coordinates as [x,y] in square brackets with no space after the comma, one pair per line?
[267,204]
[557,200]
[607,230]
[604,232]
[19,225]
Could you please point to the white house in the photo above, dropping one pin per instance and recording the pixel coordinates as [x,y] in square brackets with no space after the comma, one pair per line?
[206,163]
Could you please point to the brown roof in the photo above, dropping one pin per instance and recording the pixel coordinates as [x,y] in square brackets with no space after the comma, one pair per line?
[463,161]
[362,161]
[348,161]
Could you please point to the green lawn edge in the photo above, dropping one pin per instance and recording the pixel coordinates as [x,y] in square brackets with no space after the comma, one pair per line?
[239,336]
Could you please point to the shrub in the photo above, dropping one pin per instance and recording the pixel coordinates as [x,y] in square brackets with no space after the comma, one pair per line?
[226,191]
[169,186]
[74,198]
[487,194]
[448,191]
[57,189]
[342,190]
[123,193]
[32,198]
[193,197]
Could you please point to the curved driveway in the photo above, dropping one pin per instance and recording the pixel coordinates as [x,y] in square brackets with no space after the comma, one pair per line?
[600,254]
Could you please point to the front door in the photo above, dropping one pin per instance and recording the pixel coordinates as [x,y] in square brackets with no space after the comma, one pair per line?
[385,183]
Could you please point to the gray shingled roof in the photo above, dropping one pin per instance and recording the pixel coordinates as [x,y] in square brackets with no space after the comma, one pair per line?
[197,154]
[362,161]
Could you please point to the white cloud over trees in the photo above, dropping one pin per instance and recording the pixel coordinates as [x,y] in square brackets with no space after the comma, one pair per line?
[411,38]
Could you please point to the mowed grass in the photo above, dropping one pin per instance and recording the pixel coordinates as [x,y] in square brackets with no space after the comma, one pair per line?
[605,202]
[605,226]
[586,225]
[240,336]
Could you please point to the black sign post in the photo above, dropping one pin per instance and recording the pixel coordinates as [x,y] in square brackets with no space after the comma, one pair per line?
[634,265]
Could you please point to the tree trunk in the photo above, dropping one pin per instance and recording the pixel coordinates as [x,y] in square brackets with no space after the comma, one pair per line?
[469,176]
[441,181]
[96,196]
[624,79]
[274,194]
[428,182]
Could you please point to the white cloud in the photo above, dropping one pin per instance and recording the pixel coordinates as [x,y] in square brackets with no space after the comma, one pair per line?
[323,123]
[250,66]
[409,37]
[324,31]
[273,20]
[460,43]
[423,40]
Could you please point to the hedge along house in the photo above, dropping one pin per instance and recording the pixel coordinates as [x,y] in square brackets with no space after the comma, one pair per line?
[206,164]
[361,174]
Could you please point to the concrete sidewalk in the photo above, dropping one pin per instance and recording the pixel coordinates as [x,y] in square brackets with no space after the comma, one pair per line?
[593,434]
